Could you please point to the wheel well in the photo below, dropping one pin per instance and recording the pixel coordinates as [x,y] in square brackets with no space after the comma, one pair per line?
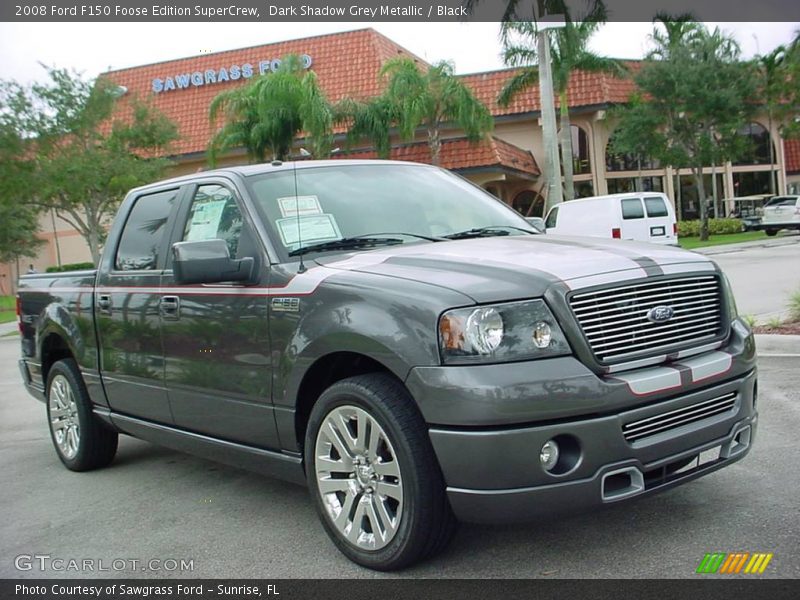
[54,348]
[324,373]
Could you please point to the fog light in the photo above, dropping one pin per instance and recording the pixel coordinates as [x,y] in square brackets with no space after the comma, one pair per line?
[542,335]
[549,455]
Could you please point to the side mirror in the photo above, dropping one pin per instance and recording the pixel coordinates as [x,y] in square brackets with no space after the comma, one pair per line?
[208,261]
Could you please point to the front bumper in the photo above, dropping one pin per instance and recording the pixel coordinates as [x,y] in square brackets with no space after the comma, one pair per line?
[489,449]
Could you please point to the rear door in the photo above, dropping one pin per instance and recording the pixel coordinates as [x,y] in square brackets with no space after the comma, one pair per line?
[660,220]
[781,210]
[634,223]
[126,308]
[216,336]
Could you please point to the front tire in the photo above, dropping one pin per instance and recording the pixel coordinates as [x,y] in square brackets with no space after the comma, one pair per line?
[81,441]
[771,232]
[373,475]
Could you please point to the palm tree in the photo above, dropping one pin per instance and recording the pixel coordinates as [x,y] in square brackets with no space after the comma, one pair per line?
[371,120]
[569,52]
[772,72]
[679,31]
[432,99]
[267,114]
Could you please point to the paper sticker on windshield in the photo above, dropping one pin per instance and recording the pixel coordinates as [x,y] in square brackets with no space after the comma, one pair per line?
[308,229]
[205,220]
[305,205]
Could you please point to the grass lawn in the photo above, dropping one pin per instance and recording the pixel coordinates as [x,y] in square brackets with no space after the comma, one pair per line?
[8,309]
[715,240]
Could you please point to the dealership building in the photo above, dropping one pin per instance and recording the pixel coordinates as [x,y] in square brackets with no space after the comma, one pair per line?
[506,163]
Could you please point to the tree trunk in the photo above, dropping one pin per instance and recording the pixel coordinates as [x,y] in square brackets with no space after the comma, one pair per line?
[701,193]
[435,145]
[771,153]
[714,193]
[93,239]
[549,136]
[55,237]
[566,148]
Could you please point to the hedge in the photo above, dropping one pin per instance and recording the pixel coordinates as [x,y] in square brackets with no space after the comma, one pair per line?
[71,267]
[715,227]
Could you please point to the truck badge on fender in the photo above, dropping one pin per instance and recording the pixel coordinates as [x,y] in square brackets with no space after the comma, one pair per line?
[286,304]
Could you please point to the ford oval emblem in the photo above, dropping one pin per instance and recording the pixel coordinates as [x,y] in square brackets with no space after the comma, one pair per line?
[660,314]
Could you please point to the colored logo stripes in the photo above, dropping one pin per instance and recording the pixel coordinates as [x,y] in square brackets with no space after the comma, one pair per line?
[735,562]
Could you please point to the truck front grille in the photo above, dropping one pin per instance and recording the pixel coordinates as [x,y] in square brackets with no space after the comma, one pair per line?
[616,325]
[643,428]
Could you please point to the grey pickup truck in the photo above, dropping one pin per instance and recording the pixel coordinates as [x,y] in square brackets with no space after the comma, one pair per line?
[398,340]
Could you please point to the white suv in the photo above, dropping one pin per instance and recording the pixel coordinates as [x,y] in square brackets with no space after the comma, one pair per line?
[781,212]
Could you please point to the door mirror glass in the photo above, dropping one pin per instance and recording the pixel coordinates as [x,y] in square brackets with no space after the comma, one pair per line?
[209,261]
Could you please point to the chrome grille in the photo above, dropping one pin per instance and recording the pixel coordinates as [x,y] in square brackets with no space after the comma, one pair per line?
[637,430]
[615,323]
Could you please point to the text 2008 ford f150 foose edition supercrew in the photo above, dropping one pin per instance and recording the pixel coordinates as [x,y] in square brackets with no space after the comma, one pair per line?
[399,340]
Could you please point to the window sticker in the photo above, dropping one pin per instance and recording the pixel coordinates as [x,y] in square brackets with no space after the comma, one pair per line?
[312,229]
[205,220]
[305,205]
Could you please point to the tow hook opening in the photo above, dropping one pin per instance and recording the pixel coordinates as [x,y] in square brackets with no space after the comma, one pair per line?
[622,483]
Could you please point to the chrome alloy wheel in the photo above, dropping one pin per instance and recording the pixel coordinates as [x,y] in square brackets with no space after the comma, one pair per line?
[358,477]
[64,417]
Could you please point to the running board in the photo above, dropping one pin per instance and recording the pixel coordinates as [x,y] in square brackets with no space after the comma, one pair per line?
[266,462]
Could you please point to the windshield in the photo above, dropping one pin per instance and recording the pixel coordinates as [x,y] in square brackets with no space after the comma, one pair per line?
[420,204]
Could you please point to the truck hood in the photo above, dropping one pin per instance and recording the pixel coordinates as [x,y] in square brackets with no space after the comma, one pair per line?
[506,268]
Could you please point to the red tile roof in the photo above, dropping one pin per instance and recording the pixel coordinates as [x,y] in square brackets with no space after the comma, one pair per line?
[791,149]
[460,154]
[346,64]
[585,89]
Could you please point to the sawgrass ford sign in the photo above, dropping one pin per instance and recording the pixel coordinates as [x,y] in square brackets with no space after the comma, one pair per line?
[182,81]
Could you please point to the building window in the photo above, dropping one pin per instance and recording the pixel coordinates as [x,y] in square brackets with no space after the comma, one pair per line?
[758,152]
[583,189]
[581,163]
[616,161]
[622,185]
[750,184]
[529,204]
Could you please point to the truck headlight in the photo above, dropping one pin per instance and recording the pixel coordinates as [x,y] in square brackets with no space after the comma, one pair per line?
[500,333]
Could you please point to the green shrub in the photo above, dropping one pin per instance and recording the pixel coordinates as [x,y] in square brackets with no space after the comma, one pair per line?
[794,306]
[71,267]
[715,227]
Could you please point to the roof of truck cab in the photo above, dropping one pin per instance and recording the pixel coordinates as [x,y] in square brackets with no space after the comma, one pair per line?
[274,167]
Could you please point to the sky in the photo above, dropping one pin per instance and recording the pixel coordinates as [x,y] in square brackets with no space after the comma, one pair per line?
[92,48]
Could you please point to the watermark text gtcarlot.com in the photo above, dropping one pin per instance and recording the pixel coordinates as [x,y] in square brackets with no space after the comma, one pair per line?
[48,563]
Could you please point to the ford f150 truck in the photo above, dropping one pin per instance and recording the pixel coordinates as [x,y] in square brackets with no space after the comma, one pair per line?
[397,339]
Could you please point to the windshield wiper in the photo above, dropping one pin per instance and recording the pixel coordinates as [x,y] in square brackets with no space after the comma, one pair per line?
[488,231]
[346,244]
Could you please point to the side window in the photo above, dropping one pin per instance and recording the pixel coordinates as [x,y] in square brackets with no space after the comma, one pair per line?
[632,209]
[214,215]
[552,217]
[144,231]
[656,207]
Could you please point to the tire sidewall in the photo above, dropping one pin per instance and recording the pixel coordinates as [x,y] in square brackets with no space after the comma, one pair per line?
[347,393]
[67,369]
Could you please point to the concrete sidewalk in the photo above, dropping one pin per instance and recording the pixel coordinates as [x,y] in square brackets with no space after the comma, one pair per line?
[772,344]
[7,328]
[784,239]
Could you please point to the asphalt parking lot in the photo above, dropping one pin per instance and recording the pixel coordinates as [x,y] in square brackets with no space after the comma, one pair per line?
[158,504]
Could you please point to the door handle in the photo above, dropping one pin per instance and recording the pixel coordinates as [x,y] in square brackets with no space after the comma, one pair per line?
[170,307]
[104,303]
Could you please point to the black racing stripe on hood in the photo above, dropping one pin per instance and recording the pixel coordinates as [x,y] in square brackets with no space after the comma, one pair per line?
[651,267]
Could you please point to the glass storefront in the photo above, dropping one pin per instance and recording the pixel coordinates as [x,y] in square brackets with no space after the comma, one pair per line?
[621,185]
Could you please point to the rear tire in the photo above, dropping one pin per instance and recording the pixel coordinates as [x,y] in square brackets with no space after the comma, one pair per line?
[771,232]
[383,501]
[81,441]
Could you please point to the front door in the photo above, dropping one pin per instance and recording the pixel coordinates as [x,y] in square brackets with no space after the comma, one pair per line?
[216,336]
[126,310]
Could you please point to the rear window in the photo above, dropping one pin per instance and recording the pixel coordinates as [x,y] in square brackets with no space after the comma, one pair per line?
[632,209]
[144,231]
[785,201]
[552,216]
[656,207]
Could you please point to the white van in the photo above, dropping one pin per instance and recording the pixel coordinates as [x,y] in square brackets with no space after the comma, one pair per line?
[640,216]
